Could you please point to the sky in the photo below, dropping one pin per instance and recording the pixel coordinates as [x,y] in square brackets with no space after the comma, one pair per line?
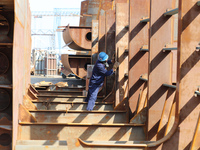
[46,23]
[48,5]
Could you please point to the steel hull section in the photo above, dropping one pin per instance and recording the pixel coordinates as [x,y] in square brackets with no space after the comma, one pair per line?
[77,38]
[21,57]
[75,65]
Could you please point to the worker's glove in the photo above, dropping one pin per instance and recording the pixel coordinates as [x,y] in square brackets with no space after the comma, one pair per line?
[115,66]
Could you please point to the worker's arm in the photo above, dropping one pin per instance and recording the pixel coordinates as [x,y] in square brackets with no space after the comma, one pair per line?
[103,71]
[109,61]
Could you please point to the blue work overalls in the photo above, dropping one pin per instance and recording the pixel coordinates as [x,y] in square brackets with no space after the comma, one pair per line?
[96,81]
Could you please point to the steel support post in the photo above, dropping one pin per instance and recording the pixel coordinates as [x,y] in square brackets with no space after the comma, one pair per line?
[159,62]
[110,45]
[84,8]
[95,43]
[21,59]
[121,40]
[138,60]
[102,31]
[188,71]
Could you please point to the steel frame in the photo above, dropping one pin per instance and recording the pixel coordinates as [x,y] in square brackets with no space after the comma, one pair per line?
[138,54]
[121,40]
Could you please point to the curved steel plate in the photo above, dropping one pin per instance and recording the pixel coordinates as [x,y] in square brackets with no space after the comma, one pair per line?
[76,37]
[75,64]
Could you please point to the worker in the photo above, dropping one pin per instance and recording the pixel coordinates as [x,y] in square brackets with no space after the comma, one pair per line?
[97,79]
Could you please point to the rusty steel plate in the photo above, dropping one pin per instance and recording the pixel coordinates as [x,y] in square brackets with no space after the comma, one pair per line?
[138,60]
[4,99]
[188,65]
[84,8]
[122,36]
[4,25]
[5,139]
[4,63]
[109,44]
[75,64]
[159,63]
[78,38]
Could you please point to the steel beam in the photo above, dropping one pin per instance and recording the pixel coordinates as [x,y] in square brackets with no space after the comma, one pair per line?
[171,12]
[188,75]
[95,41]
[169,49]
[143,79]
[159,63]
[196,138]
[102,33]
[145,20]
[121,45]
[84,9]
[144,48]
[169,86]
[110,45]
[198,3]
[197,93]
[138,46]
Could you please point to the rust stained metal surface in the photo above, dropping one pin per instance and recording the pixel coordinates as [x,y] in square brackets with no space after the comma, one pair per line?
[7,4]
[138,60]
[93,10]
[105,5]
[50,66]
[21,58]
[196,138]
[75,64]
[188,74]
[95,41]
[121,40]
[70,133]
[110,46]
[84,8]
[102,32]
[97,8]
[159,63]
[6,68]
[166,117]
[77,38]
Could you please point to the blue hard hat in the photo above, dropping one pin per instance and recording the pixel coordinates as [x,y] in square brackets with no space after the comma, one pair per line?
[102,56]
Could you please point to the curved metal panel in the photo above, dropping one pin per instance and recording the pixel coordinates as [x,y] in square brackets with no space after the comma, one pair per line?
[75,64]
[76,37]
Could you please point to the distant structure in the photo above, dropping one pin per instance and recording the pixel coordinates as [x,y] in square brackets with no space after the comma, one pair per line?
[45,23]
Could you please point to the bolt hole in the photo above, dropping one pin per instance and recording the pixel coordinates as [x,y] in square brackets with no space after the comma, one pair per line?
[4,25]
[5,139]
[89,36]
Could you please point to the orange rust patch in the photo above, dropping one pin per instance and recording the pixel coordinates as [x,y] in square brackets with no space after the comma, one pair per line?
[78,143]
[107,117]
[48,132]
[51,141]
